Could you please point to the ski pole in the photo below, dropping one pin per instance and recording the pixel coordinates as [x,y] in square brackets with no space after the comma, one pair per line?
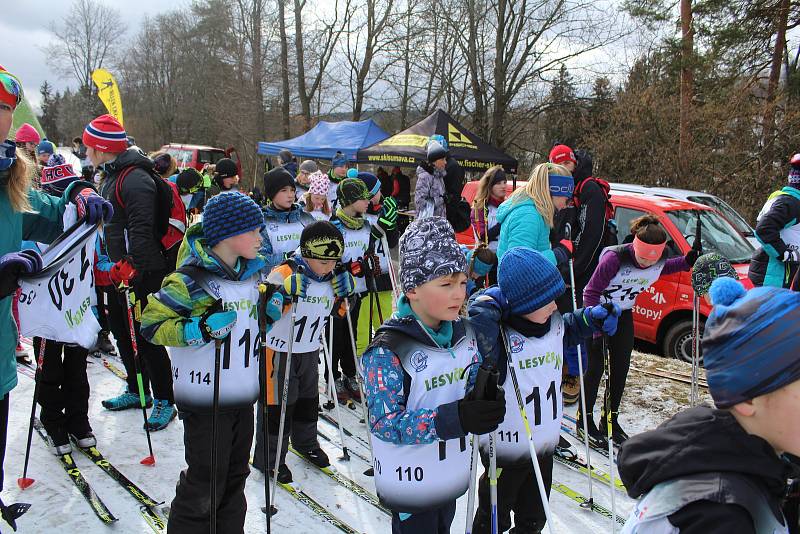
[531,447]
[284,395]
[486,373]
[214,417]
[589,501]
[24,482]
[609,416]
[149,460]
[392,274]
[264,296]
[370,471]
[493,479]
[332,389]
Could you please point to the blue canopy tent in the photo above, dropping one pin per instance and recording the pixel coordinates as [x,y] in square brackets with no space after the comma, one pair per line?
[326,138]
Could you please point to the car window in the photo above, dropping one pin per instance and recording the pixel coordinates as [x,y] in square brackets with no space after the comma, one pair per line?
[718,235]
[728,212]
[182,156]
[210,156]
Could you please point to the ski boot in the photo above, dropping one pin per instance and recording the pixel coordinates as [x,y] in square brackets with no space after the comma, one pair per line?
[126,401]
[351,383]
[317,457]
[617,433]
[85,440]
[163,412]
[342,393]
[570,389]
[104,344]
[284,475]
[565,450]
[597,439]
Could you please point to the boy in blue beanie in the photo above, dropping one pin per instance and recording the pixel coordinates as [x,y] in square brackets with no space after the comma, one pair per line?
[517,323]
[725,469]
[417,373]
[211,297]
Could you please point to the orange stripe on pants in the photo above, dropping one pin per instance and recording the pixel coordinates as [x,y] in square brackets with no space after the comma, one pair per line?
[271,385]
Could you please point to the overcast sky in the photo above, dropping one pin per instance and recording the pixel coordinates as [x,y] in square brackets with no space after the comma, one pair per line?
[25,31]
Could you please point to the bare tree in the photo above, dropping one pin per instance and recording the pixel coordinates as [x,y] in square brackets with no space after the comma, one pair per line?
[687,87]
[366,40]
[284,61]
[251,15]
[87,38]
[320,52]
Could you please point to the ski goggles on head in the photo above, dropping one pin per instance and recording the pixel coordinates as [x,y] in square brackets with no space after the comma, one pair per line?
[646,250]
[10,89]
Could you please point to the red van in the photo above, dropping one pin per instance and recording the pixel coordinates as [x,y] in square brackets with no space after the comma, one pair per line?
[198,156]
[663,314]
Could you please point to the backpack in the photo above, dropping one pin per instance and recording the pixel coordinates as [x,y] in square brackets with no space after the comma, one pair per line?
[458,212]
[170,221]
[610,233]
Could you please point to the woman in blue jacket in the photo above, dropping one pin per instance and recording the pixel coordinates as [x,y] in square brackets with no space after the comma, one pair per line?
[526,217]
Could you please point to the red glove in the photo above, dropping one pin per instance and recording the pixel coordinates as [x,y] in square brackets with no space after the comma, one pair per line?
[356,268]
[567,244]
[122,272]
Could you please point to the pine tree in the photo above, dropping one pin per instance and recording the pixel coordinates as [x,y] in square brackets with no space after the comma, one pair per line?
[49,117]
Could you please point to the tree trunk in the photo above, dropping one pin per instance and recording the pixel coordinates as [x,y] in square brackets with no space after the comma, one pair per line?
[687,90]
[305,98]
[284,69]
[498,113]
[258,65]
[770,103]
[406,70]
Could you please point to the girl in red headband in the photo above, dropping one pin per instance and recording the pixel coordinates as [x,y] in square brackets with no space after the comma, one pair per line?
[622,274]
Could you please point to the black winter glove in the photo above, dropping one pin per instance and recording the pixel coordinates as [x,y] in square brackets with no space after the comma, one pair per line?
[691,257]
[481,416]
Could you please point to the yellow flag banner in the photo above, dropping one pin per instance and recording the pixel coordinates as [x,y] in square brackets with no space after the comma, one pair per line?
[108,91]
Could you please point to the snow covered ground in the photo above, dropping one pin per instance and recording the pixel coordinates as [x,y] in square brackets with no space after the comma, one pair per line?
[57,504]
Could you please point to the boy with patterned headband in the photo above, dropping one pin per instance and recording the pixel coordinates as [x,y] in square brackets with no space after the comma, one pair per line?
[722,470]
[319,292]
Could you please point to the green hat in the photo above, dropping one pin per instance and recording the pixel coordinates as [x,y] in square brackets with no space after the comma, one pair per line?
[351,190]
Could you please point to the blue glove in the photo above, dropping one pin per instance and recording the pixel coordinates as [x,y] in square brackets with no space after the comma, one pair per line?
[274,309]
[296,286]
[601,318]
[500,300]
[212,324]
[92,206]
[343,284]
[14,264]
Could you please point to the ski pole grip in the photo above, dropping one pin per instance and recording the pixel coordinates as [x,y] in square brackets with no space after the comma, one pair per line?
[486,382]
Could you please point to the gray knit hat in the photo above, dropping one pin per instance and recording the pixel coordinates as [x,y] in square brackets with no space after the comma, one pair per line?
[429,250]
[309,166]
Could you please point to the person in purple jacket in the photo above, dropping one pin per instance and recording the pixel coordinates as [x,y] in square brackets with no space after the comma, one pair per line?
[622,273]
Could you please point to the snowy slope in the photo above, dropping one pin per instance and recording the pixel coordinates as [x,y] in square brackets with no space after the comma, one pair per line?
[57,504]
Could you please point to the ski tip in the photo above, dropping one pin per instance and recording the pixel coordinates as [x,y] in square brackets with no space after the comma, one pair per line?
[272,510]
[25,483]
[370,472]
[150,460]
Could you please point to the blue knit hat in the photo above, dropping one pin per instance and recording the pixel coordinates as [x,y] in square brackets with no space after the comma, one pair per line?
[338,160]
[372,182]
[45,147]
[750,341]
[229,214]
[528,280]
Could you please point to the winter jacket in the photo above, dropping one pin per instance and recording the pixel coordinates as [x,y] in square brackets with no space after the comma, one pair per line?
[132,230]
[383,282]
[587,220]
[102,264]
[453,179]
[272,216]
[401,189]
[43,224]
[430,191]
[485,316]
[777,229]
[521,225]
[387,385]
[181,297]
[724,473]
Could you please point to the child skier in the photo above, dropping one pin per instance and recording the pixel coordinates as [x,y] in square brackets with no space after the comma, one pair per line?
[315,200]
[336,174]
[622,274]
[349,219]
[319,292]
[522,308]
[720,470]
[418,418]
[194,308]
[382,217]
[284,219]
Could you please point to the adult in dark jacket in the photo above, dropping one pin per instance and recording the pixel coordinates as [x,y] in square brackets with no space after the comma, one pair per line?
[587,220]
[133,244]
[719,471]
[775,263]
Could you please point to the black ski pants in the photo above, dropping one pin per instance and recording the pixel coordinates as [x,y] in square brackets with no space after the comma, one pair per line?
[620,346]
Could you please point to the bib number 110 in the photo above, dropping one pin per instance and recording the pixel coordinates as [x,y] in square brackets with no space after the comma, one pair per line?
[409,474]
